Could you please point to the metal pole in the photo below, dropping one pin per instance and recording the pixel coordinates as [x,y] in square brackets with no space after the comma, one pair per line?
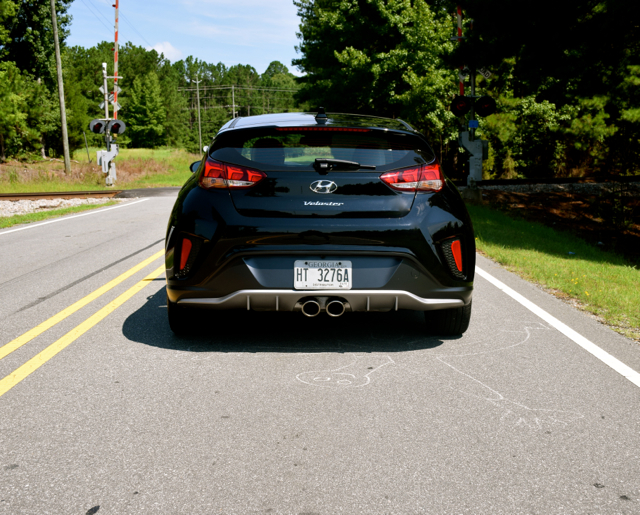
[115,66]
[199,124]
[233,100]
[472,131]
[63,112]
[105,87]
[459,14]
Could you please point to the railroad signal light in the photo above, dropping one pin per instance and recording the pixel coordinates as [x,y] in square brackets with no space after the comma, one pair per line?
[97,126]
[117,127]
[461,105]
[485,106]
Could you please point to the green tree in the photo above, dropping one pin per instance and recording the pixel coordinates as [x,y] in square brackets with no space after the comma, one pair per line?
[145,113]
[382,57]
[8,10]
[579,56]
[280,87]
[16,91]
[30,37]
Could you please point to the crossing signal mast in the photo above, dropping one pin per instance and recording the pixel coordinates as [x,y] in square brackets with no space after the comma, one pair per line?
[107,125]
[474,106]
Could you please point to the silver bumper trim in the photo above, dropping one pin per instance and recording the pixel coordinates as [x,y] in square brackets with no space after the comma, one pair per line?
[359,300]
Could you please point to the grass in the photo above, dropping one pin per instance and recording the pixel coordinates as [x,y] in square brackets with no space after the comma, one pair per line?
[602,283]
[9,221]
[136,168]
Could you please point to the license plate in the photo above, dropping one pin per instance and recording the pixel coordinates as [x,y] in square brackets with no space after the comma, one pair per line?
[322,275]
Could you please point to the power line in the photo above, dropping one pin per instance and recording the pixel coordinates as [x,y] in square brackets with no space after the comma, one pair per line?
[93,12]
[125,19]
[135,30]
[204,88]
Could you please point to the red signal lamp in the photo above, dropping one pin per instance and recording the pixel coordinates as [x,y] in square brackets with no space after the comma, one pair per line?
[485,106]
[97,126]
[461,105]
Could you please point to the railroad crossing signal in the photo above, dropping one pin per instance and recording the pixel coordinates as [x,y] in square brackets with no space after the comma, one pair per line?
[116,127]
[105,157]
[485,73]
[97,126]
[116,105]
[484,106]
[117,89]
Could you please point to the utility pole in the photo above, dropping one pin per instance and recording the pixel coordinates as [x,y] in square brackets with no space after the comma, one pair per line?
[459,17]
[63,112]
[115,66]
[198,100]
[472,83]
[233,100]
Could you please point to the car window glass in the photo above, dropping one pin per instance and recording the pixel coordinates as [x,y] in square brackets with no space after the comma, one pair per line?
[293,148]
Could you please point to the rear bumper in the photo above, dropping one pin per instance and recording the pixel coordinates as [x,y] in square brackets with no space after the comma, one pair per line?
[288,300]
[265,283]
[397,263]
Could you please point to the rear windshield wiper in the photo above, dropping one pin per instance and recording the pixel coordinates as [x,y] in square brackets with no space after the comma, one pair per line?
[326,165]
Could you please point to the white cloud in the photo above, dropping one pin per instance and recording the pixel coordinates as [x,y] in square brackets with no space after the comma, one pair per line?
[169,51]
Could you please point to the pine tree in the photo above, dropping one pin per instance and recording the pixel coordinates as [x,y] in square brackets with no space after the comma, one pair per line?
[145,113]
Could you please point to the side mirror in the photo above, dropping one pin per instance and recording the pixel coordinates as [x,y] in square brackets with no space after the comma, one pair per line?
[194,166]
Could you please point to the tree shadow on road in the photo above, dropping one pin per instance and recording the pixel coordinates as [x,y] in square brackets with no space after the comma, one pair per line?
[251,331]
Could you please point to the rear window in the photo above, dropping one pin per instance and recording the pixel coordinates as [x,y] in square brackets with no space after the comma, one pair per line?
[297,148]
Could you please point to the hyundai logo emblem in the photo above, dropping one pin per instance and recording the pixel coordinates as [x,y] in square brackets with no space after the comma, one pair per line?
[323,187]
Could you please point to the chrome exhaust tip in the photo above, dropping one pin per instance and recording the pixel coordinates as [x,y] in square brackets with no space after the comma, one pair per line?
[336,308]
[311,308]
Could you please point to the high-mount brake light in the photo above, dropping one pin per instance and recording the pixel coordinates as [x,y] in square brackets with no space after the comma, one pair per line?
[416,178]
[226,176]
[321,129]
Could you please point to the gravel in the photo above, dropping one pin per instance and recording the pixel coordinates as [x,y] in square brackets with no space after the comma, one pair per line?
[23,207]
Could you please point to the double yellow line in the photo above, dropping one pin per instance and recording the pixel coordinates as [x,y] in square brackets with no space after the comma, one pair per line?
[40,359]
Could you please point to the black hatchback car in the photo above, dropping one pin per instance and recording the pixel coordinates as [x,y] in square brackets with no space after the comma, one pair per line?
[322,214]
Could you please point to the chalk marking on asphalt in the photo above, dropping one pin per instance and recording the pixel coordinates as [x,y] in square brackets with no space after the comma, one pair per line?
[63,218]
[40,359]
[587,345]
[343,376]
[47,324]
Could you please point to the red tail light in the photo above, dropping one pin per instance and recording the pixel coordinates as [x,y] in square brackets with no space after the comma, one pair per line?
[184,253]
[418,178]
[223,175]
[456,250]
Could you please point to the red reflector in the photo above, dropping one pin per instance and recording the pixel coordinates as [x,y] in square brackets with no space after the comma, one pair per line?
[417,178]
[456,250]
[184,253]
[322,129]
[222,175]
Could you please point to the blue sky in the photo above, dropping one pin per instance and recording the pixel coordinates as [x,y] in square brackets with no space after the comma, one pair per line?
[253,32]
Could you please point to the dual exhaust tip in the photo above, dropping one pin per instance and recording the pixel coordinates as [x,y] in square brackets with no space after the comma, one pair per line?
[312,307]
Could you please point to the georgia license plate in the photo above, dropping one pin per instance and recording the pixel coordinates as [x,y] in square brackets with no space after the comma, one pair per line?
[322,275]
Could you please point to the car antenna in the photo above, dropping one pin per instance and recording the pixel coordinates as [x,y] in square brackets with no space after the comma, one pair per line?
[321,117]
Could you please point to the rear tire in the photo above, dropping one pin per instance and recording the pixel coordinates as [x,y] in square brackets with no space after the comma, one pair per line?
[448,322]
[178,318]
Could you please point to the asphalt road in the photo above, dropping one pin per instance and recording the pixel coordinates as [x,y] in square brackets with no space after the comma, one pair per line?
[107,412]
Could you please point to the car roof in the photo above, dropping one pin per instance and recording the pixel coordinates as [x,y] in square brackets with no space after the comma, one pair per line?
[307,119]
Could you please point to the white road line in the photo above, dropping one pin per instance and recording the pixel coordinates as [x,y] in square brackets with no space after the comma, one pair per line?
[92,212]
[587,345]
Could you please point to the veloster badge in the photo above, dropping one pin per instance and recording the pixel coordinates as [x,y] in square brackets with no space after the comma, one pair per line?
[323,187]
